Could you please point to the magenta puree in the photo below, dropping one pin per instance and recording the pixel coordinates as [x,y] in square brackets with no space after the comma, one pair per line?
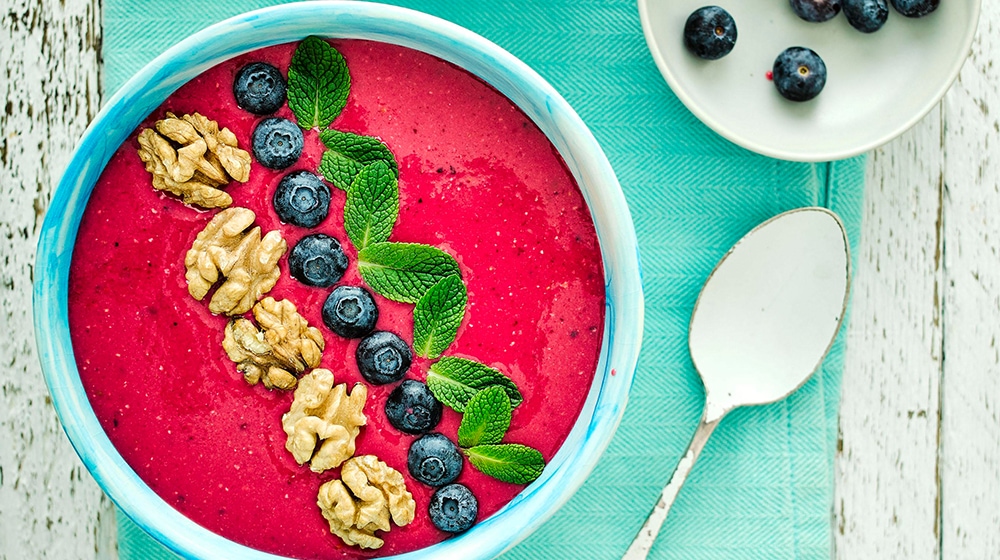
[477,179]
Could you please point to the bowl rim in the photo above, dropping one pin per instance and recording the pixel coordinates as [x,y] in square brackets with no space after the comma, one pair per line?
[147,89]
[803,155]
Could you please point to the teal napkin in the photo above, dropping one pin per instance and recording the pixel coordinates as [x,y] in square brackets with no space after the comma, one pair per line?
[763,487]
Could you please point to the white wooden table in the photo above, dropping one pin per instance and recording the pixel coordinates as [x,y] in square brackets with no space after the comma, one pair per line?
[918,471]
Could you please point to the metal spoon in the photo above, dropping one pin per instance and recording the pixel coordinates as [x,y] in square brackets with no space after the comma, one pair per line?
[763,322]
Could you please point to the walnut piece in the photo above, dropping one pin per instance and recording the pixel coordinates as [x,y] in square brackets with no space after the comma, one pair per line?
[190,157]
[276,353]
[324,421]
[226,249]
[369,493]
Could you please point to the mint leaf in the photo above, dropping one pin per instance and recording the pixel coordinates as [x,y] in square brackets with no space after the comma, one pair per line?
[437,316]
[404,271]
[348,154]
[486,418]
[455,380]
[318,83]
[372,206]
[509,462]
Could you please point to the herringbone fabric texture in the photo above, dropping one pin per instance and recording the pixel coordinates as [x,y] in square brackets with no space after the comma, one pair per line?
[763,487]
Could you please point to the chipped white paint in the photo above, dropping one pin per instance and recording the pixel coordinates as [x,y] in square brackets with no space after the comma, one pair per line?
[50,53]
[970,395]
[886,485]
[918,476]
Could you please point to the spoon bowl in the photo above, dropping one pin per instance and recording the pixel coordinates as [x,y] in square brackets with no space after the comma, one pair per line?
[763,323]
[770,310]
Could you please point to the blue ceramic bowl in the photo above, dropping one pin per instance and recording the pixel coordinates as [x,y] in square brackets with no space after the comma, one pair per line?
[353,20]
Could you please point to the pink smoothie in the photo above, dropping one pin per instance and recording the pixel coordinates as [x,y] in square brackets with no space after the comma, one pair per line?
[476,178]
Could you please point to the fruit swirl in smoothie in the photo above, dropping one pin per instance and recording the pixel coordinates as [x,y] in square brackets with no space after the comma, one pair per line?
[466,371]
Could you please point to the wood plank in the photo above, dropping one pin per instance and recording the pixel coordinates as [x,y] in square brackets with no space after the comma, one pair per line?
[886,476]
[50,506]
[970,427]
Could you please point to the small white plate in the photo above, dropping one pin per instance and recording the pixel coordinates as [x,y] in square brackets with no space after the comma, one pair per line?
[878,84]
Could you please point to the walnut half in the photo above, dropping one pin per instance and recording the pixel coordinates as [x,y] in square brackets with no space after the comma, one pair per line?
[191,157]
[369,493]
[324,421]
[227,249]
[276,353]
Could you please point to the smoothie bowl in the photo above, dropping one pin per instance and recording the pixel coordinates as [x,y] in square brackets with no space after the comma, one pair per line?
[338,280]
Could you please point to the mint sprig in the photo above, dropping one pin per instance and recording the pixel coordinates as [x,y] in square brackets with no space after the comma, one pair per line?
[318,83]
[347,154]
[509,462]
[404,271]
[486,418]
[455,380]
[485,421]
[372,206]
[437,316]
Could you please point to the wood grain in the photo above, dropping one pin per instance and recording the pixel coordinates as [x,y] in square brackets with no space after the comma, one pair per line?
[970,407]
[918,475]
[50,507]
[886,485]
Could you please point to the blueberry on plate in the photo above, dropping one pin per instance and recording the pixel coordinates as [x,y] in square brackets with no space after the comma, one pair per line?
[867,16]
[710,33]
[453,508]
[383,357]
[302,199]
[350,311]
[317,260]
[413,409]
[799,74]
[259,88]
[915,8]
[434,460]
[816,11]
[276,142]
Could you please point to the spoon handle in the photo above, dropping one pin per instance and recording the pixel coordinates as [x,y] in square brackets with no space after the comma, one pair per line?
[643,541]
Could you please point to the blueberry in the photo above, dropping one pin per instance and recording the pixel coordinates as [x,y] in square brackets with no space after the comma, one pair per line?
[350,312]
[453,508]
[799,74]
[434,460]
[866,16]
[259,88]
[915,8]
[317,260]
[302,199]
[816,11]
[710,32]
[383,357]
[276,142]
[413,409]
